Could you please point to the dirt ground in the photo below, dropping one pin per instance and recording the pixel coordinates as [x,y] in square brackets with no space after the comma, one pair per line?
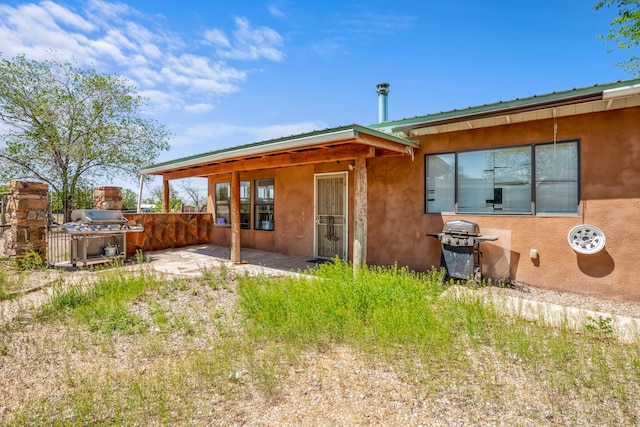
[336,386]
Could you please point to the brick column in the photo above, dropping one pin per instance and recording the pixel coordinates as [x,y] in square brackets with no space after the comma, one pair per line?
[26,216]
[107,198]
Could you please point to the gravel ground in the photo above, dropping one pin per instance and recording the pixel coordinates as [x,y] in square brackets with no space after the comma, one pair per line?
[567,299]
[338,386]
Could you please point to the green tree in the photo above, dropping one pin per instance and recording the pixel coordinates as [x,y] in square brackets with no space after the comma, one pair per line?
[129,200]
[69,126]
[624,30]
[175,201]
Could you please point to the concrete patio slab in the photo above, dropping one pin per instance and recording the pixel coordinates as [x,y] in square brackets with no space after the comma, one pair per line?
[189,261]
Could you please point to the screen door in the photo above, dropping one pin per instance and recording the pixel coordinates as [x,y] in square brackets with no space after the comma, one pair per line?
[331,216]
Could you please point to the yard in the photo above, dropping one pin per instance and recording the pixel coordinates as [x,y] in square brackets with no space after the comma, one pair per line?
[131,346]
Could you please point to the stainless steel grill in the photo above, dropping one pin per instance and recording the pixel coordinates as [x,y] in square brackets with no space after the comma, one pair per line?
[92,236]
[461,254]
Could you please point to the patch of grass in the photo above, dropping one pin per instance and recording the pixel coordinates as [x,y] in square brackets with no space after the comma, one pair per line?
[442,347]
[401,314]
[102,305]
[7,286]
[182,390]
[31,260]
[219,278]
[11,280]
[376,307]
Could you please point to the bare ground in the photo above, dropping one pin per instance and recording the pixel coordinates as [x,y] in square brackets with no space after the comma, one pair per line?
[42,362]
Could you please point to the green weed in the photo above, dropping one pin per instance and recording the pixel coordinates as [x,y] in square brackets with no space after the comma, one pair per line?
[102,305]
[216,278]
[600,326]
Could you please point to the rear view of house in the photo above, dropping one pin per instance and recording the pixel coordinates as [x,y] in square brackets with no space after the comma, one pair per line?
[555,177]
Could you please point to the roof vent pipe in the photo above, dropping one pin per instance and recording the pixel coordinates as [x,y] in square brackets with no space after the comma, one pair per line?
[383,90]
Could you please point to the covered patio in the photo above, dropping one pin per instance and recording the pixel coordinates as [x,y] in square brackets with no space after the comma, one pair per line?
[345,150]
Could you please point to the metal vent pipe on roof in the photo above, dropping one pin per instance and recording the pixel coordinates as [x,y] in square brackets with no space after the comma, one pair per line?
[383,91]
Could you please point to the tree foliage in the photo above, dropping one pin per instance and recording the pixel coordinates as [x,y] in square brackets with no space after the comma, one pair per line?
[624,30]
[157,194]
[129,200]
[69,126]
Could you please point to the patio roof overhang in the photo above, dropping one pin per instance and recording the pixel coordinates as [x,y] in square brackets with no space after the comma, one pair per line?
[330,145]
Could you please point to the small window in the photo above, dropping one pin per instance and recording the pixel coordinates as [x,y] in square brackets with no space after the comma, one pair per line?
[441,179]
[264,198]
[245,205]
[557,178]
[222,203]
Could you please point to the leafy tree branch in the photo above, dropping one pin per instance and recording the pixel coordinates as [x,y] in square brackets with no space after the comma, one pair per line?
[69,126]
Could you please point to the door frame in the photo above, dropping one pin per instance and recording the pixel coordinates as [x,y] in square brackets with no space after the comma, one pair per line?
[316,176]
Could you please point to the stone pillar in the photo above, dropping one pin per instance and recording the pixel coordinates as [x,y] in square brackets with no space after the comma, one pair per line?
[26,216]
[107,198]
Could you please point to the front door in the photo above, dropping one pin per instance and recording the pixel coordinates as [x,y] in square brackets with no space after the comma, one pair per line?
[331,216]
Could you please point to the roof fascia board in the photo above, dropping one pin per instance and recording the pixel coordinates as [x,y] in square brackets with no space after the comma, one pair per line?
[621,91]
[294,142]
[256,150]
[514,109]
[607,91]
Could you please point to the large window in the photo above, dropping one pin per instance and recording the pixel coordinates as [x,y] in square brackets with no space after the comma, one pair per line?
[531,179]
[222,203]
[264,219]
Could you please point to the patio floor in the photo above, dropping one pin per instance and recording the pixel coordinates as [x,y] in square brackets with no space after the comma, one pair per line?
[190,261]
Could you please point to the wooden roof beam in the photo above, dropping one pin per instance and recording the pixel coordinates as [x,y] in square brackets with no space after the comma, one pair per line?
[385,145]
[341,153]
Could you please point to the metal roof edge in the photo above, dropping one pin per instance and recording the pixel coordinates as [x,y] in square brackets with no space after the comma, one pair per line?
[576,93]
[263,147]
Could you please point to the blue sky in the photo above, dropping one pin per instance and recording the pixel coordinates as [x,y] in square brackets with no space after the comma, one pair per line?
[230,72]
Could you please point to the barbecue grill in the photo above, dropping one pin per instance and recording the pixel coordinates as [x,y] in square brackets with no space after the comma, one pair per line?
[461,248]
[97,235]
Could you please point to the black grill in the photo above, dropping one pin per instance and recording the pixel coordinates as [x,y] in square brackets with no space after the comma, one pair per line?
[461,248]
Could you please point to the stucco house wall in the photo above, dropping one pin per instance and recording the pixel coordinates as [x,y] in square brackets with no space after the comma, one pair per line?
[610,200]
[293,232]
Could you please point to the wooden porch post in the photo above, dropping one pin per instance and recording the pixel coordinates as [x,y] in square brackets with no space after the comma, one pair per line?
[165,195]
[235,217]
[360,208]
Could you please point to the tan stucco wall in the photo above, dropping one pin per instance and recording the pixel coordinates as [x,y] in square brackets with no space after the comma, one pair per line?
[294,210]
[610,189]
[610,193]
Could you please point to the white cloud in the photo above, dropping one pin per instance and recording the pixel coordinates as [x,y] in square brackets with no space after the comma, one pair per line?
[274,10]
[216,135]
[114,37]
[161,101]
[198,108]
[329,48]
[217,38]
[65,16]
[248,43]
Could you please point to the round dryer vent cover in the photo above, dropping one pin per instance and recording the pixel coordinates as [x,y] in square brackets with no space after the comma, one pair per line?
[586,239]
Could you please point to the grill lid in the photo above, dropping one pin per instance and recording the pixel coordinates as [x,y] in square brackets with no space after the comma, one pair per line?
[461,227]
[94,216]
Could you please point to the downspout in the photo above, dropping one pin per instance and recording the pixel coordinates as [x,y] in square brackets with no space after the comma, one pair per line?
[139,208]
